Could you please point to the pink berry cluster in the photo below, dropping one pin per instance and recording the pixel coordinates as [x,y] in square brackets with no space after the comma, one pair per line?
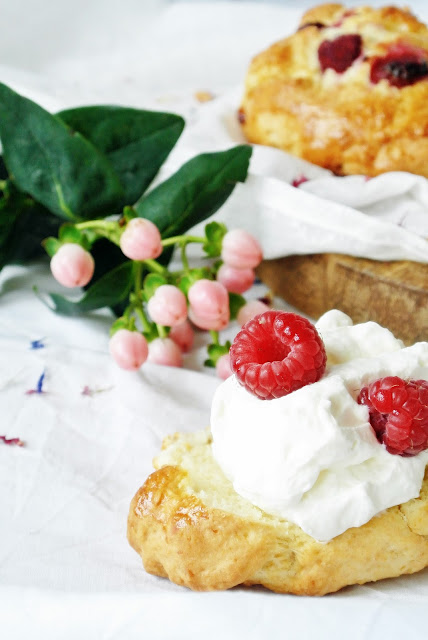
[167,306]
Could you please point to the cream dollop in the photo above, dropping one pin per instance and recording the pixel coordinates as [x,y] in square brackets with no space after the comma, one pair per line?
[312,457]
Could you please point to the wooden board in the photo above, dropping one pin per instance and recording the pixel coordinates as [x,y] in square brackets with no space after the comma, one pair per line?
[394,294]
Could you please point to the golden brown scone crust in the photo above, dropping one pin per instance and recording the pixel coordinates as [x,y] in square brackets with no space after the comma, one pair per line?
[341,121]
[188,524]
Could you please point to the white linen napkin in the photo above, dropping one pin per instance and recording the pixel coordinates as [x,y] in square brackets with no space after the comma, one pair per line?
[383,218]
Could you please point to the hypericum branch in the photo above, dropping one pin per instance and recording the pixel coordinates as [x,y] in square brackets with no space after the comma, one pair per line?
[164,305]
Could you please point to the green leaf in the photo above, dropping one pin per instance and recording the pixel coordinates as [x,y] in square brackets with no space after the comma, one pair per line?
[3,170]
[110,290]
[107,256]
[136,142]
[120,323]
[69,233]
[215,351]
[184,283]
[214,232]
[23,225]
[9,214]
[59,168]
[129,213]
[195,191]
[236,301]
[151,282]
[51,245]
[188,278]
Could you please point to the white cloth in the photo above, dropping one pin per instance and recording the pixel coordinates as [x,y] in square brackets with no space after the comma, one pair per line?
[66,569]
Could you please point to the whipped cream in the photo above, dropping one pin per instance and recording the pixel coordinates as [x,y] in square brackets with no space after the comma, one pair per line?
[312,457]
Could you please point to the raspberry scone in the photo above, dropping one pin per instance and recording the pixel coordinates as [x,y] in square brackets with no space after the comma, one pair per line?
[313,473]
[347,91]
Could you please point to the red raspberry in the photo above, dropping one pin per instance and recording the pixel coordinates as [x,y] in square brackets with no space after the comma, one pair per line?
[340,53]
[276,353]
[398,413]
[403,65]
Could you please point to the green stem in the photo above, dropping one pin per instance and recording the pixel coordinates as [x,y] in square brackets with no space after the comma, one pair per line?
[161,331]
[127,313]
[182,239]
[138,278]
[143,318]
[96,224]
[138,303]
[155,267]
[106,228]
[184,259]
[214,336]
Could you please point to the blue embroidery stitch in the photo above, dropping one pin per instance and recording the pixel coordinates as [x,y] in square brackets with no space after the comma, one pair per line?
[37,344]
[39,386]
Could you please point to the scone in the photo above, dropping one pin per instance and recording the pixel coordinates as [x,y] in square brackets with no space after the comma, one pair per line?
[189,525]
[304,493]
[348,91]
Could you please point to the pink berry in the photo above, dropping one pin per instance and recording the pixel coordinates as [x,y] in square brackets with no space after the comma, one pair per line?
[165,351]
[129,349]
[141,240]
[250,310]
[168,306]
[276,353]
[210,324]
[236,280]
[183,335]
[223,367]
[241,250]
[72,266]
[208,299]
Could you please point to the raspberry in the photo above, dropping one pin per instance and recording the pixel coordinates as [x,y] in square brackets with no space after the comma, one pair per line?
[398,413]
[340,53]
[402,66]
[276,353]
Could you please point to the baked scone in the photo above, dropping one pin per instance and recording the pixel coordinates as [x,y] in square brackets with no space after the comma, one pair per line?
[190,526]
[348,91]
[313,475]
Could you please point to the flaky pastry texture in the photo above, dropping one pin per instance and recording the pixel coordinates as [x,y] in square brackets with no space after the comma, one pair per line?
[352,121]
[189,525]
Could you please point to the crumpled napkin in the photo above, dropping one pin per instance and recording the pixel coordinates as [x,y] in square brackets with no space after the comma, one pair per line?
[382,218]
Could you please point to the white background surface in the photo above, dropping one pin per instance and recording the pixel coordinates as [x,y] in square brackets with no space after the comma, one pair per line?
[66,570]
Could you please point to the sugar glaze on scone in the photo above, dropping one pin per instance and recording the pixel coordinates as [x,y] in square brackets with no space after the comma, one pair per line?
[196,523]
[348,91]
